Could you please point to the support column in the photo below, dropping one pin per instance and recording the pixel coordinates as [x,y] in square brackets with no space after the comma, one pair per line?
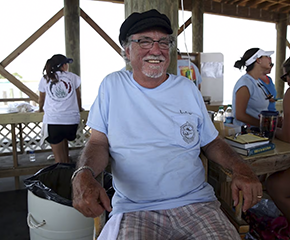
[197,25]
[72,33]
[167,7]
[281,27]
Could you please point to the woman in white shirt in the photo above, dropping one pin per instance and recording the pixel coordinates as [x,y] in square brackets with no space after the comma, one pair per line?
[60,100]
[249,95]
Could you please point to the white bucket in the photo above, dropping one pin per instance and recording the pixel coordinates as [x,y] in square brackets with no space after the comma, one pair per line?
[50,220]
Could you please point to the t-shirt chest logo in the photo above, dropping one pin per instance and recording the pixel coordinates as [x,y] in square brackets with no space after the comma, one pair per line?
[61,90]
[187,132]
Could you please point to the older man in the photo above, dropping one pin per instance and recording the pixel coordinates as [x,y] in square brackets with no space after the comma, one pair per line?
[154,125]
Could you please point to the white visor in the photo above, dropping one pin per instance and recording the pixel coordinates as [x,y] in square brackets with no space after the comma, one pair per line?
[257,55]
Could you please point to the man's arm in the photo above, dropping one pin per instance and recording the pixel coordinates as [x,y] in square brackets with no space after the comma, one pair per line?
[89,197]
[243,178]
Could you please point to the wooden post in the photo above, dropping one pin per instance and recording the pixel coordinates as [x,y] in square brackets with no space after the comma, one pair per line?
[72,33]
[11,93]
[15,155]
[167,7]
[281,27]
[5,96]
[197,25]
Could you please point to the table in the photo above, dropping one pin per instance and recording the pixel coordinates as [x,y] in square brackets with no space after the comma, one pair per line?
[263,163]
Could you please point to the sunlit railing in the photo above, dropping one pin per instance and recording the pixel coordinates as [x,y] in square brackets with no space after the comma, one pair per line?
[23,134]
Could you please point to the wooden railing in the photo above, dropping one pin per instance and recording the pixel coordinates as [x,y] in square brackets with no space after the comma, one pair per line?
[21,132]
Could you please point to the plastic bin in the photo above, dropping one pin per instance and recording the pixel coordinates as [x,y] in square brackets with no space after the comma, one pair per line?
[50,211]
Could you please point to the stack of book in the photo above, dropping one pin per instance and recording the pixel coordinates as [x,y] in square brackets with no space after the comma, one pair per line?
[249,144]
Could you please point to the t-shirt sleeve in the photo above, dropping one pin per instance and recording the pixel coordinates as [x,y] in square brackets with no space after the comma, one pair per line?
[77,81]
[245,82]
[41,85]
[98,115]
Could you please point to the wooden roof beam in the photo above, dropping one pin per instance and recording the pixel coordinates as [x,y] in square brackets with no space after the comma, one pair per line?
[276,7]
[233,2]
[212,7]
[32,38]
[101,32]
[186,24]
[253,3]
[224,8]
[32,95]
[241,2]
[285,9]
[224,1]
[265,5]
[285,2]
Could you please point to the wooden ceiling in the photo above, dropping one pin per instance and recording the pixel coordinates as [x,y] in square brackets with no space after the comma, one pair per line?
[260,10]
[277,6]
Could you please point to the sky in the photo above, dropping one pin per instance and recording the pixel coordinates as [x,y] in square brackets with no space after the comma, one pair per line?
[20,19]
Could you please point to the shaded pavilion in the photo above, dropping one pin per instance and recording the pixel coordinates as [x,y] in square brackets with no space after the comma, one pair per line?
[272,11]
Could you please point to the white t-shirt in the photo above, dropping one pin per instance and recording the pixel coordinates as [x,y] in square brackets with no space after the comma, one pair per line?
[257,101]
[61,105]
[193,74]
[155,136]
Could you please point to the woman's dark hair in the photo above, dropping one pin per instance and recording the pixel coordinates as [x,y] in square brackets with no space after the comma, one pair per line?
[247,55]
[53,65]
[286,65]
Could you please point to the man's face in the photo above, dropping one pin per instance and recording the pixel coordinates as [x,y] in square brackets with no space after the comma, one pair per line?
[265,62]
[152,62]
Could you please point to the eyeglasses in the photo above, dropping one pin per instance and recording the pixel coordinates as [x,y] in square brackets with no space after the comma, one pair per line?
[284,77]
[147,43]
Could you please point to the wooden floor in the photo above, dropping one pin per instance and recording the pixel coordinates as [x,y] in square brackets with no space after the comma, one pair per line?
[6,162]
[13,202]
[13,213]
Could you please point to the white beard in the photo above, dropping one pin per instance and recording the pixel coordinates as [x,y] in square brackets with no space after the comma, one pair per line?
[153,72]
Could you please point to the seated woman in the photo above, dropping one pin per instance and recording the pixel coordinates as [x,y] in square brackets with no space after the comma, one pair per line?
[249,95]
[278,183]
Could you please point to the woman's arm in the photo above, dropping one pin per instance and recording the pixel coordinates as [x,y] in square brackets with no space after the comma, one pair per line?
[242,99]
[79,99]
[284,132]
[41,101]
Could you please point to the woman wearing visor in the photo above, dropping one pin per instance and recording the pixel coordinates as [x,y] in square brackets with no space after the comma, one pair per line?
[250,96]
[60,100]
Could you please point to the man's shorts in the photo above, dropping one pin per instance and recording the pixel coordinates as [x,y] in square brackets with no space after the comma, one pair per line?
[57,133]
[199,221]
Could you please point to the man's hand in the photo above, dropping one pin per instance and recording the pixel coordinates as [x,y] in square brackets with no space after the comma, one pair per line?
[89,197]
[250,186]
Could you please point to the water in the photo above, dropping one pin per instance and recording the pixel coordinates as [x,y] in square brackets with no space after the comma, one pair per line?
[31,155]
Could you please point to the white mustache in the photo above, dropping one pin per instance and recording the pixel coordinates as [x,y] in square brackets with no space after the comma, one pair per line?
[154,58]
